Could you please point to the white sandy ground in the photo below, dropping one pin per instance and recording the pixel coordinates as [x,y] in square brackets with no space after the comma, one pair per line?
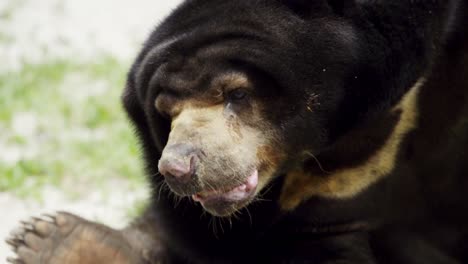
[37,31]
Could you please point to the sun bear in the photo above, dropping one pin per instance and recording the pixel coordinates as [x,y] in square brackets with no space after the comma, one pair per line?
[282,131]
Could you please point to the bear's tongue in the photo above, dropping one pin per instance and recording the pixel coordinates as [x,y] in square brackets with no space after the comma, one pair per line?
[238,193]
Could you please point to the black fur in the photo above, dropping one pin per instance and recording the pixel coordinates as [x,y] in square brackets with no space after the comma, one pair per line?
[360,57]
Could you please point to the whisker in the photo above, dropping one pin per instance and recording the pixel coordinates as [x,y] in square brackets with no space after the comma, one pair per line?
[215,229]
[260,199]
[161,189]
[318,162]
[230,223]
[203,214]
[250,216]
[221,220]
[177,200]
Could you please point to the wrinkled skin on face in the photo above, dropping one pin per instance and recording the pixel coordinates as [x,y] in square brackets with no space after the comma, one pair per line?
[223,137]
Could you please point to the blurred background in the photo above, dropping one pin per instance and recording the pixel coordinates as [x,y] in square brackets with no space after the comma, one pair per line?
[65,142]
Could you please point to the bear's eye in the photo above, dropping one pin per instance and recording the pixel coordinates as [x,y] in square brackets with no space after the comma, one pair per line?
[237,95]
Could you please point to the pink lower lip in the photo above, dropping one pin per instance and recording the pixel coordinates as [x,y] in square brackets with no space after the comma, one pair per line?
[238,193]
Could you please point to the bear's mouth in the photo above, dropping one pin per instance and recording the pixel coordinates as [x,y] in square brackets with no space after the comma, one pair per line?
[221,202]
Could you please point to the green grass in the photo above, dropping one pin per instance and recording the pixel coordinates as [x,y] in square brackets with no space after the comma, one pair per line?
[56,94]
[137,209]
[5,38]
[9,9]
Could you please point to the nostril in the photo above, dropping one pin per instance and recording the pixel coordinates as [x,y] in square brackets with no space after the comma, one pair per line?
[176,169]
[179,170]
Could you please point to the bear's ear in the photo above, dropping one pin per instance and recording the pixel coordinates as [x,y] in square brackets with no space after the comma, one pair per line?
[306,7]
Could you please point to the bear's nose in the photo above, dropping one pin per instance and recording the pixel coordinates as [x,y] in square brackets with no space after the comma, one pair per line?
[177,169]
[177,163]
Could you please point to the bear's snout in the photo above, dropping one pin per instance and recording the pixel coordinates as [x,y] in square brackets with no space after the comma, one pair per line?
[177,163]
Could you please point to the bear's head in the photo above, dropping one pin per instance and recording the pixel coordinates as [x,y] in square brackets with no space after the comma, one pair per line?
[228,95]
